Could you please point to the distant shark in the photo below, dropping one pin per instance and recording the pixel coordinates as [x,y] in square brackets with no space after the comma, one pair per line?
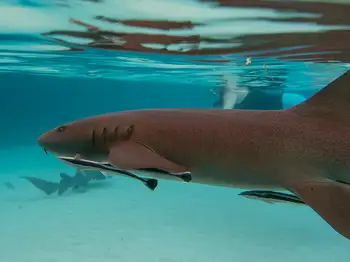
[9,186]
[47,187]
[79,180]
[303,149]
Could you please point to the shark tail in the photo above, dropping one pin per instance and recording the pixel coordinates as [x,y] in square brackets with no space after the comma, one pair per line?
[330,199]
[65,183]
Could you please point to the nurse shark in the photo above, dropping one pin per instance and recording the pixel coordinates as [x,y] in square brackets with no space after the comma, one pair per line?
[79,180]
[303,149]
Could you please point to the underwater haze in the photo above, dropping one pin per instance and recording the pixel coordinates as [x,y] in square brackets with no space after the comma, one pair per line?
[63,60]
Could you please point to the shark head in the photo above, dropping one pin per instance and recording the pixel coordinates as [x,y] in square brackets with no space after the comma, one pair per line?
[84,137]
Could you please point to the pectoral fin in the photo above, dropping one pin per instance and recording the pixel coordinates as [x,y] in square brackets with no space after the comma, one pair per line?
[133,155]
[330,199]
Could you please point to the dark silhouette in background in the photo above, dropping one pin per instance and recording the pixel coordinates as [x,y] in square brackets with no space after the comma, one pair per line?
[79,181]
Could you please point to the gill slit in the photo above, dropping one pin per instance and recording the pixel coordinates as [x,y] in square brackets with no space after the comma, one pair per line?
[93,138]
[104,135]
[116,133]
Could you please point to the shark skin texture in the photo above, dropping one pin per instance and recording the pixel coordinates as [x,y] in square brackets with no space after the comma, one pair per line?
[303,149]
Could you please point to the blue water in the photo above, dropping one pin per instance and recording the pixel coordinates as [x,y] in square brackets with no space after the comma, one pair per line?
[42,87]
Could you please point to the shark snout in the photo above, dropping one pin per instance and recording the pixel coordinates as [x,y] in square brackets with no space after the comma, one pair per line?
[42,143]
[59,143]
[47,142]
[42,140]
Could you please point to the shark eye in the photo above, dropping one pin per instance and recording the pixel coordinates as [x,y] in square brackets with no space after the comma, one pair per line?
[61,129]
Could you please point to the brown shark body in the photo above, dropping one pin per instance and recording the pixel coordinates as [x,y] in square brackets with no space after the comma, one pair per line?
[304,149]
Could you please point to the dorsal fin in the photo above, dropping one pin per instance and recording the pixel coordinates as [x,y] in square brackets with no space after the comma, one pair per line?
[333,100]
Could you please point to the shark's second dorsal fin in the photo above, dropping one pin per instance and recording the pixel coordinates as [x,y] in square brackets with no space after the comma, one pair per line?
[331,101]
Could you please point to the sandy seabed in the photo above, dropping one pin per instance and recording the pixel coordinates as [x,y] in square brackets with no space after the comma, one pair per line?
[121,220]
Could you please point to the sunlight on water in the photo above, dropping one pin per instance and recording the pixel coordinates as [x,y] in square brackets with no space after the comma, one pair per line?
[214,22]
[64,60]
